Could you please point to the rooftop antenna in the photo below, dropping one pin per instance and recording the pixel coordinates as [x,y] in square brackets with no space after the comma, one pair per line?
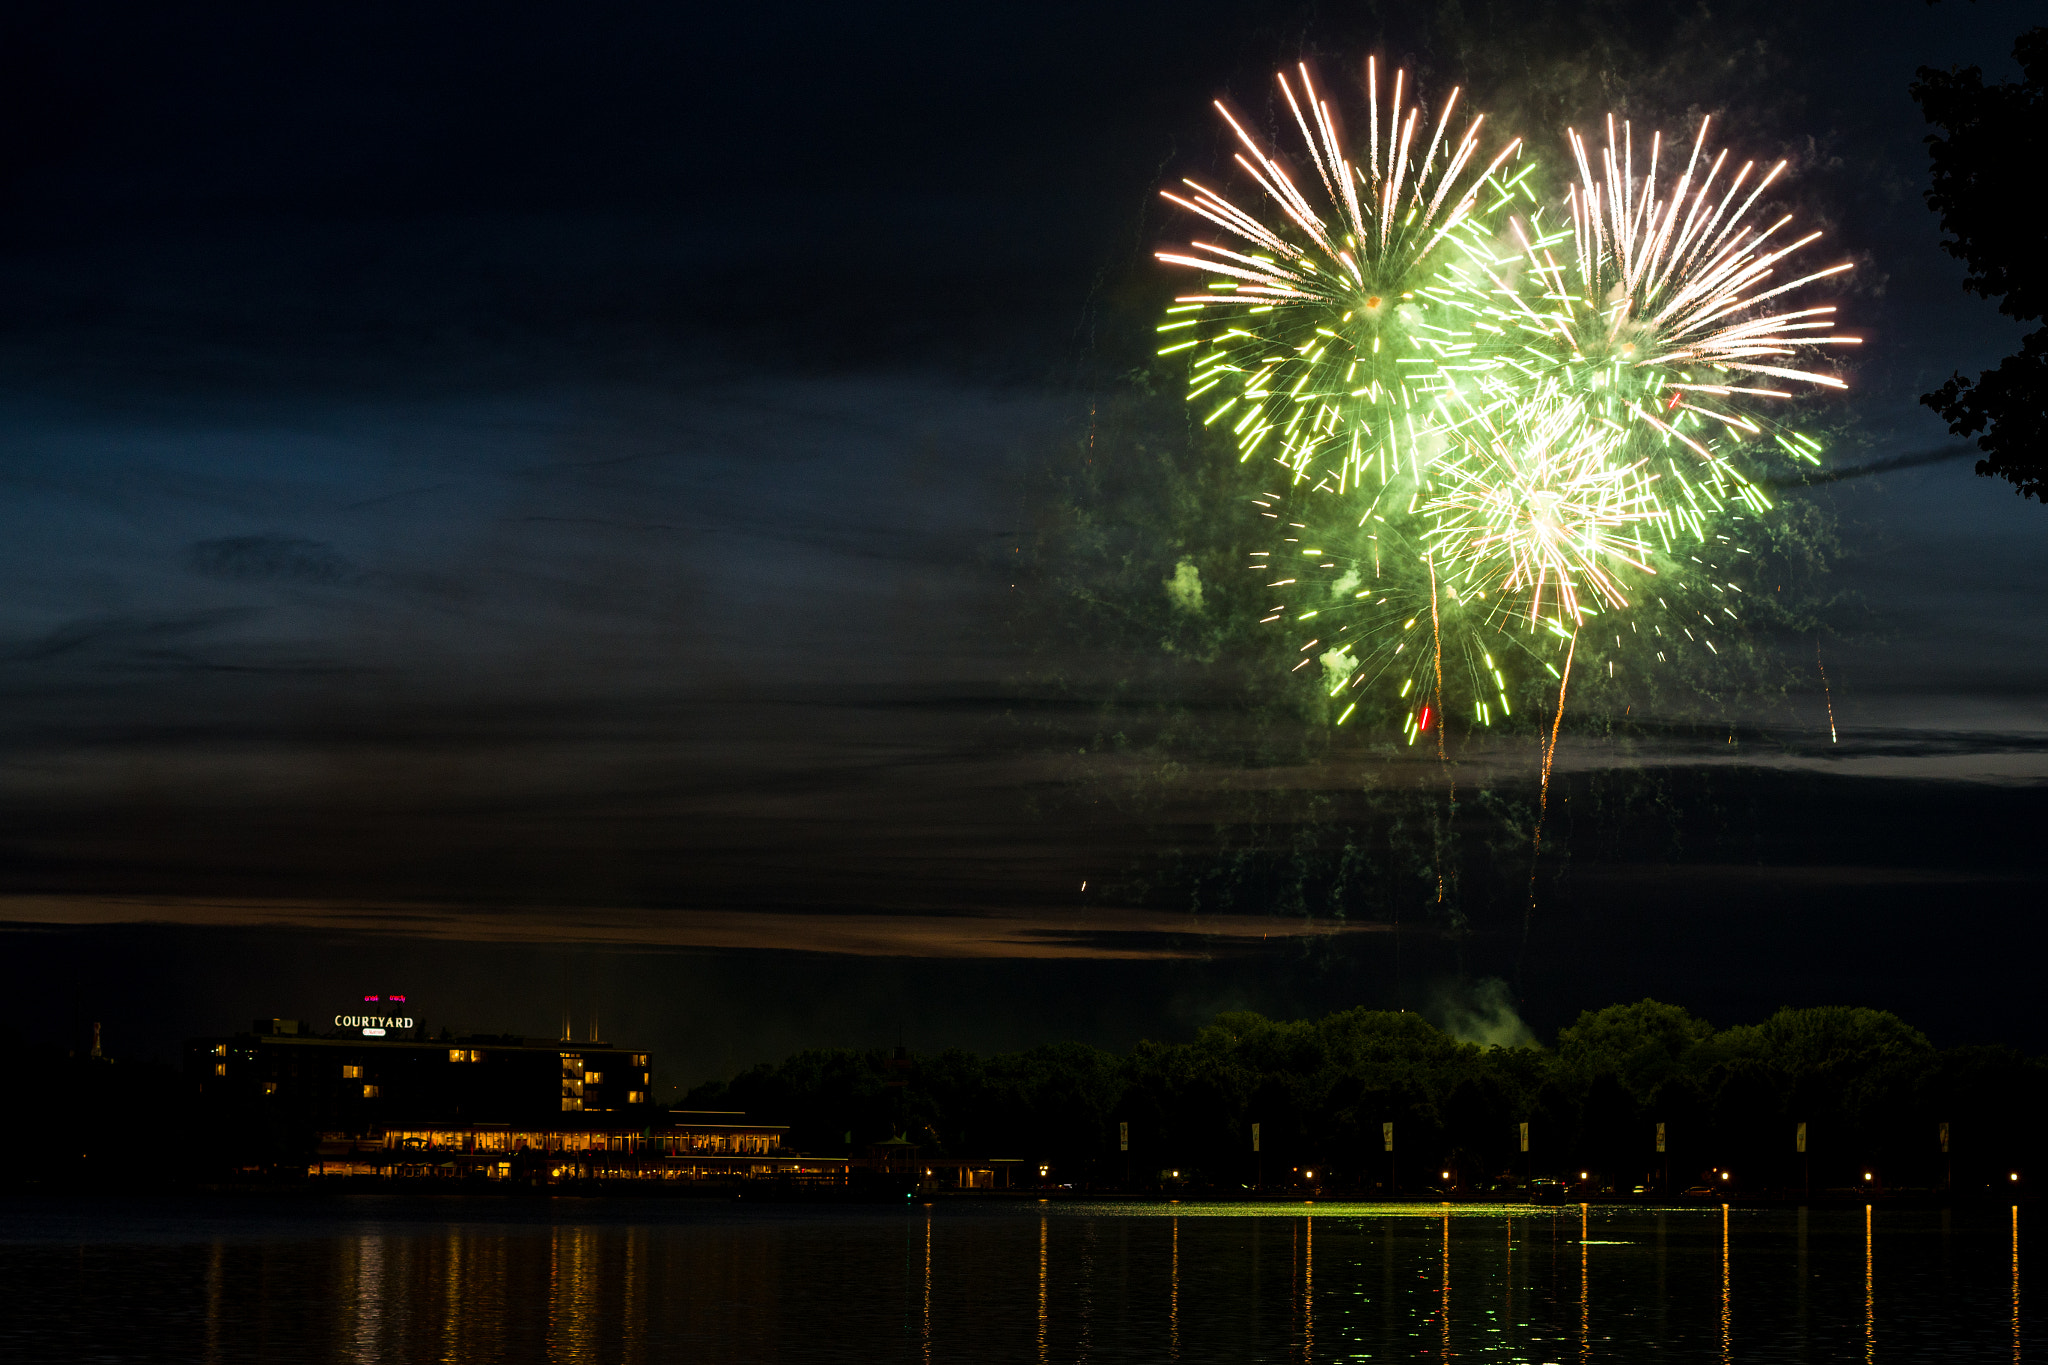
[568,1033]
[593,1023]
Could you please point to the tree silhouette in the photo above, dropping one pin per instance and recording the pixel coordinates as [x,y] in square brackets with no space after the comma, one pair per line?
[1992,139]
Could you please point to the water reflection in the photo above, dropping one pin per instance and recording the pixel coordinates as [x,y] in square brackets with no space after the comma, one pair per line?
[1308,1288]
[1173,1292]
[1044,1318]
[1727,1293]
[454,1269]
[1086,1335]
[1444,1306]
[364,1279]
[215,1254]
[1585,1287]
[572,1297]
[600,1281]
[634,1281]
[1800,1271]
[1508,1272]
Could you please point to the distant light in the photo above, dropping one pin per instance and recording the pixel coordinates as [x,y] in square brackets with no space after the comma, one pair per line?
[1310,1174]
[2014,1176]
[1866,1175]
[1582,1176]
[1724,1176]
[1447,1175]
[1176,1175]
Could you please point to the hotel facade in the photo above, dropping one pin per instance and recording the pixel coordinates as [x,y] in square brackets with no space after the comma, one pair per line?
[362,1076]
[370,1098]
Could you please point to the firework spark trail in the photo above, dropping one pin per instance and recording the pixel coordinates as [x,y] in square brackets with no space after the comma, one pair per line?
[1550,751]
[1826,693]
[1543,789]
[1664,313]
[1688,296]
[1436,640]
[1317,330]
[1545,507]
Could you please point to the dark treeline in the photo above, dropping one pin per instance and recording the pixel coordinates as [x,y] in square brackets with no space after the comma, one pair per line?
[1872,1090]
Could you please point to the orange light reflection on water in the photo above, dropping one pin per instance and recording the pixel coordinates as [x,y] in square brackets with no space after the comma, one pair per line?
[1727,1296]
[1043,1230]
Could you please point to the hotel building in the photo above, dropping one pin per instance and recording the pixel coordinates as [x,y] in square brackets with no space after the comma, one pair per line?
[353,1082]
[373,1099]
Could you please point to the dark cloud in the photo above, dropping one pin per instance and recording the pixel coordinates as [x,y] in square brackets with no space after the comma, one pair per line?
[129,639]
[270,559]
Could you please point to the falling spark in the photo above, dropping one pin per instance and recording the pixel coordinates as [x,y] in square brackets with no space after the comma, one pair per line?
[1826,694]
[1543,787]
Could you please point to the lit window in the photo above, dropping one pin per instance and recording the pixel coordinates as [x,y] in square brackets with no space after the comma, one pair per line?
[220,1049]
[270,1087]
[636,1097]
[639,1059]
[351,1073]
[369,1092]
[593,1078]
[220,1068]
[570,1102]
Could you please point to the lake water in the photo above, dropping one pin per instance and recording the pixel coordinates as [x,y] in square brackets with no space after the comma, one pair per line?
[367,1278]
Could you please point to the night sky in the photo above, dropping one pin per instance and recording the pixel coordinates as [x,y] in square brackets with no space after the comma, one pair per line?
[510,504]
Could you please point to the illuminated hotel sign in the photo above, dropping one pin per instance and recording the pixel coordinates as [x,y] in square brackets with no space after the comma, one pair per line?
[374,1025]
